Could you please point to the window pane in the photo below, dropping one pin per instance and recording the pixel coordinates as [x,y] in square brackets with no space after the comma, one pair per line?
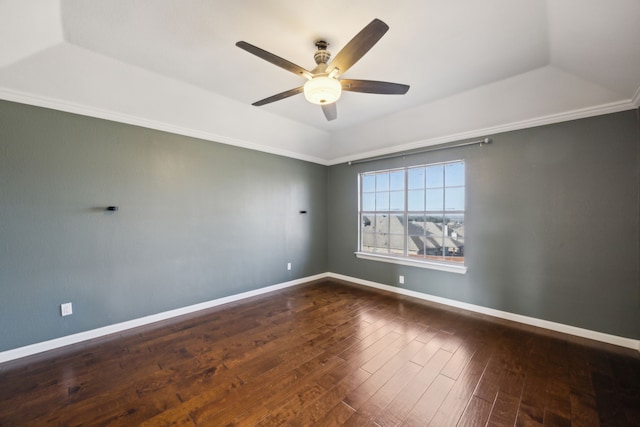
[454,198]
[416,200]
[397,180]
[382,181]
[397,232]
[382,234]
[367,224]
[433,243]
[435,176]
[382,201]
[433,249]
[454,174]
[382,224]
[416,178]
[435,199]
[415,246]
[367,232]
[368,183]
[396,201]
[396,224]
[416,239]
[382,245]
[433,226]
[416,218]
[396,244]
[368,201]
[368,242]
[455,227]
[416,225]
[454,238]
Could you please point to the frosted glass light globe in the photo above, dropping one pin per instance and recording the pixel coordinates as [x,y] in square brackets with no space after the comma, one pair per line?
[322,90]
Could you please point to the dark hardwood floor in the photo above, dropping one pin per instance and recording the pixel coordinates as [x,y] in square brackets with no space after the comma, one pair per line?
[326,353]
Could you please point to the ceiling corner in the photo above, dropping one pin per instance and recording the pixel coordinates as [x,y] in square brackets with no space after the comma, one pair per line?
[28,27]
[636,98]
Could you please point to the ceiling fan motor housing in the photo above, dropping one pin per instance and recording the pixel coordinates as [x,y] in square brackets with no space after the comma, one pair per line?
[322,55]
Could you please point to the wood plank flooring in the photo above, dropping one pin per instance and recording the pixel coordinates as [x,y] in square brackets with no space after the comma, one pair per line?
[326,353]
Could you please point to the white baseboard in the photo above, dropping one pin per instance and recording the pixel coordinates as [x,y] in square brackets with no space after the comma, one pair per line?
[545,324]
[40,347]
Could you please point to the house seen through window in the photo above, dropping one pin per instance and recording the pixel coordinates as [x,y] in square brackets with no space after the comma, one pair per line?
[414,212]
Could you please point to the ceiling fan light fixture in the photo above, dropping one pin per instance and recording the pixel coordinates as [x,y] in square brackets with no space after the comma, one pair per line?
[323,87]
[322,90]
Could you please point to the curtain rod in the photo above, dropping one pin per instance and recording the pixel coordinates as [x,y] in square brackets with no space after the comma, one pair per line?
[410,153]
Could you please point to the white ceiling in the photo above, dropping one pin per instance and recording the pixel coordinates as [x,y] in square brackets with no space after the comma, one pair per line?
[475,67]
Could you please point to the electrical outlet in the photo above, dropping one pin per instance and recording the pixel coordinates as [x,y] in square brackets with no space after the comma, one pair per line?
[401,280]
[288,266]
[66,309]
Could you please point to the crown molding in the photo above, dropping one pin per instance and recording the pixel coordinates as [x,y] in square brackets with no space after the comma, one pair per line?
[99,113]
[84,110]
[613,107]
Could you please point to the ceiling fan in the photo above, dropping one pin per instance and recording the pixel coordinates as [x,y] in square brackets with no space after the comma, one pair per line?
[323,86]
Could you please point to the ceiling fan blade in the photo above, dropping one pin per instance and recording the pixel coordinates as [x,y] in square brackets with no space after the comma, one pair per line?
[274,59]
[358,46]
[279,96]
[372,86]
[330,111]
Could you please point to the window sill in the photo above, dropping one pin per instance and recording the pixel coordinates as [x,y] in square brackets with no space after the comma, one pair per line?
[441,266]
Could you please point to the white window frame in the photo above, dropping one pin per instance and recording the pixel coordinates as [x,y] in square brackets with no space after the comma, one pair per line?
[448,266]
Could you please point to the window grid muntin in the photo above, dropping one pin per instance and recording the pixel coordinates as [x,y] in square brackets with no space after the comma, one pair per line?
[440,214]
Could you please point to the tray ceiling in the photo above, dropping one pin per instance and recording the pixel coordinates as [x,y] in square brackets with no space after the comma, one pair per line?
[474,67]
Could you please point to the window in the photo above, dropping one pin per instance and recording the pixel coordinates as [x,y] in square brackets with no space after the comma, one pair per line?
[414,215]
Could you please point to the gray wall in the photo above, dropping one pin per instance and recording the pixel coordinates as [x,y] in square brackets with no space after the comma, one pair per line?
[197,221]
[552,225]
